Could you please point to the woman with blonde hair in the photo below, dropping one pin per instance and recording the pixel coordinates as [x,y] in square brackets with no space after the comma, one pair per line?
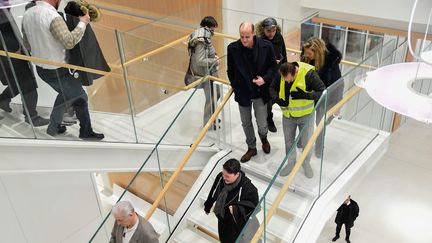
[326,59]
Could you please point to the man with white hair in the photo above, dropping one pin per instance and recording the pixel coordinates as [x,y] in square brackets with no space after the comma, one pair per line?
[131,227]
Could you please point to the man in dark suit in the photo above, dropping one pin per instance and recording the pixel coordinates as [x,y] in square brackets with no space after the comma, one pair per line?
[251,68]
[347,213]
[17,74]
[131,227]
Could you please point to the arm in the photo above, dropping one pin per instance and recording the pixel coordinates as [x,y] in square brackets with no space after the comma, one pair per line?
[315,85]
[200,54]
[284,52]
[274,88]
[60,31]
[271,66]
[246,205]
[208,204]
[25,41]
[113,234]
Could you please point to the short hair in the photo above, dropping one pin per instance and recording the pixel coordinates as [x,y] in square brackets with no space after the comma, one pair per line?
[245,24]
[123,208]
[287,68]
[209,21]
[232,166]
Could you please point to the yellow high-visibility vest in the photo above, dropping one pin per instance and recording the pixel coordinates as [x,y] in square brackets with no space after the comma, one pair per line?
[297,108]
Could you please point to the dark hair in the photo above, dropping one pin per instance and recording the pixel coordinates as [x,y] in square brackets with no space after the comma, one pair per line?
[287,68]
[232,166]
[209,21]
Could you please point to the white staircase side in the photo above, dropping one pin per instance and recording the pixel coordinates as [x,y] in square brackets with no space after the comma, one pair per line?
[31,155]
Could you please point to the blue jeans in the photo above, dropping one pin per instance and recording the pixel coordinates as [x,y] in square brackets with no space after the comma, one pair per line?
[70,92]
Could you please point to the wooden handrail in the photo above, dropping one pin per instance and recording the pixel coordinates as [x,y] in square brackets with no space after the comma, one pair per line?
[117,75]
[150,53]
[351,93]
[188,154]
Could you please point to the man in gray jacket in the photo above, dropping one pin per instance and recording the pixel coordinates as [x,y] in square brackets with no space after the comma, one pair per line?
[131,227]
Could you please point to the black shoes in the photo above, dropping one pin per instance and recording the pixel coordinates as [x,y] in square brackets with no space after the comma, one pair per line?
[5,106]
[248,155]
[60,130]
[271,126]
[335,238]
[92,136]
[38,121]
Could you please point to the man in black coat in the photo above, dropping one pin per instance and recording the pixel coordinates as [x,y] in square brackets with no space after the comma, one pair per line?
[347,213]
[236,198]
[25,82]
[251,68]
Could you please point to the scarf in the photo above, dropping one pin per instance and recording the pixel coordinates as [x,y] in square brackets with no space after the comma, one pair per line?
[219,208]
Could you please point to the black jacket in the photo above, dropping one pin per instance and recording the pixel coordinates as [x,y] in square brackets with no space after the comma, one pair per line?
[263,64]
[330,72]
[279,48]
[313,84]
[347,214]
[86,53]
[23,70]
[277,41]
[230,226]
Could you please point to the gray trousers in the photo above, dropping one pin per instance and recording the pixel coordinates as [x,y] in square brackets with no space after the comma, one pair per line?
[212,94]
[334,96]
[260,110]
[290,125]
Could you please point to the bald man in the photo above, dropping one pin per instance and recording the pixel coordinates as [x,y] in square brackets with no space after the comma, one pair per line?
[251,68]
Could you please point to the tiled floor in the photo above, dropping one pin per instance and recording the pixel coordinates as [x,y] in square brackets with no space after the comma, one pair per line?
[395,198]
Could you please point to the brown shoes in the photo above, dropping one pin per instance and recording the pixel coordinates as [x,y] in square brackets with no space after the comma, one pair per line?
[265,145]
[248,155]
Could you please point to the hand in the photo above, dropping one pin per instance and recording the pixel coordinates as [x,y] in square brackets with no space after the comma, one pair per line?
[207,207]
[299,94]
[278,61]
[231,209]
[258,81]
[281,102]
[85,18]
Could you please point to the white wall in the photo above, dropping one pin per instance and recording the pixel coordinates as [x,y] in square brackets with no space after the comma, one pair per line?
[385,13]
[48,208]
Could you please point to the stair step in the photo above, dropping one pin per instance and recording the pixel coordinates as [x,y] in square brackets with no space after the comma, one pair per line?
[279,228]
[191,235]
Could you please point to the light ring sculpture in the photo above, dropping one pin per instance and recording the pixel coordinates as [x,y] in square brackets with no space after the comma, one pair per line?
[391,87]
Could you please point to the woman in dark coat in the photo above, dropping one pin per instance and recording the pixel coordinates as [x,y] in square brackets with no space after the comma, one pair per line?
[268,29]
[235,197]
[326,59]
[25,81]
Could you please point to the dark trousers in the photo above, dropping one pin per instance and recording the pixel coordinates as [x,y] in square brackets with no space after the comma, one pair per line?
[70,93]
[347,230]
[269,111]
[30,99]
